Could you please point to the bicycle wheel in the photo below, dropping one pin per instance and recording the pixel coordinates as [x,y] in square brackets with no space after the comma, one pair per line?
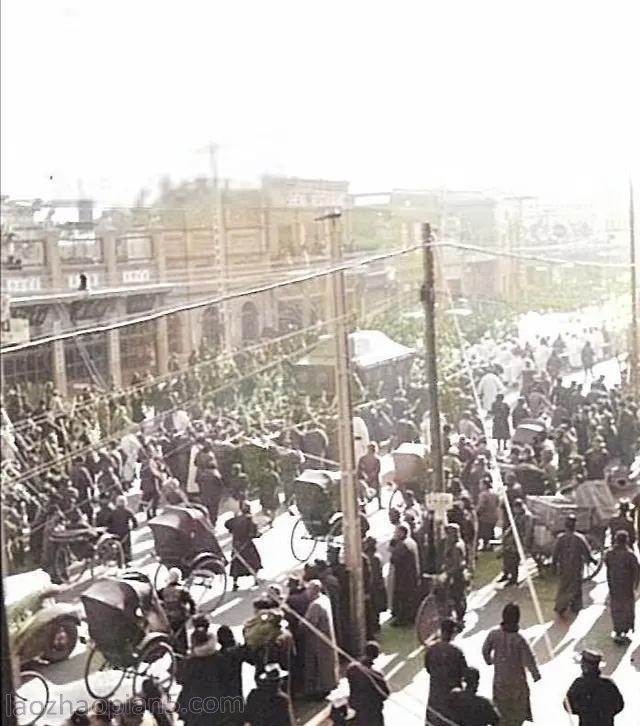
[101,677]
[157,661]
[31,698]
[303,545]
[69,567]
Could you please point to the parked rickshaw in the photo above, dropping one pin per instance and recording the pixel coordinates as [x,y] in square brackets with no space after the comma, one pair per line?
[39,630]
[317,499]
[130,635]
[81,549]
[549,516]
[411,464]
[529,432]
[184,538]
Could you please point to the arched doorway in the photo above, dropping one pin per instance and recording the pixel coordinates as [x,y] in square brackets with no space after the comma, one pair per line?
[250,322]
[212,327]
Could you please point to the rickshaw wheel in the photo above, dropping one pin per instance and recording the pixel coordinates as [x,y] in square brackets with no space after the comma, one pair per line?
[396,500]
[597,552]
[31,698]
[303,545]
[98,665]
[111,554]
[204,580]
[334,532]
[161,577]
[69,568]
[157,661]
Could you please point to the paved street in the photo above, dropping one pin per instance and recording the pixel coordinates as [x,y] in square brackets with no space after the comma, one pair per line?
[403,657]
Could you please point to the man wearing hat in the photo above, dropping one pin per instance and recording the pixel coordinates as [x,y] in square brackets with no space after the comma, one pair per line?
[570,554]
[594,698]
[624,521]
[446,665]
[623,578]
[268,704]
[179,605]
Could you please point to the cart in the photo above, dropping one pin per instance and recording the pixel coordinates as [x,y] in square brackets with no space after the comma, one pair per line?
[184,538]
[412,472]
[549,516]
[317,500]
[130,635]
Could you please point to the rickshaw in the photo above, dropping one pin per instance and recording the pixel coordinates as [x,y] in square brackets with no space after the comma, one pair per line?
[317,499]
[130,635]
[411,465]
[184,538]
[529,432]
[549,516]
[79,549]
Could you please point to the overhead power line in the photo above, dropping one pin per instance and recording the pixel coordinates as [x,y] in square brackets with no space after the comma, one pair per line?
[306,277]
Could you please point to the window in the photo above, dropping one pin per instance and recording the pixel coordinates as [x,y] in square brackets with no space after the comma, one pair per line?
[32,366]
[86,359]
[18,254]
[134,247]
[137,350]
[79,247]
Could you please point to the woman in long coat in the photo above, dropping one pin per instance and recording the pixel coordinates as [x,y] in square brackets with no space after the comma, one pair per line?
[246,559]
[501,412]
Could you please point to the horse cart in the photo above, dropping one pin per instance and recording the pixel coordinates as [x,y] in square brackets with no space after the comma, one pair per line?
[130,635]
[184,538]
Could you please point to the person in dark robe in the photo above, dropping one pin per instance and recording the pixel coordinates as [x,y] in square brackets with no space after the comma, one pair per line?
[369,470]
[466,708]
[268,704]
[623,578]
[624,521]
[121,522]
[404,561]
[446,665]
[520,412]
[245,559]
[209,483]
[570,555]
[269,487]
[368,688]
[587,356]
[500,412]
[378,592]
[197,675]
[296,603]
[315,444]
[594,698]
[228,668]
[179,607]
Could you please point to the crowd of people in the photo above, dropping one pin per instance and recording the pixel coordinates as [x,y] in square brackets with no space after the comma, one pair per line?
[195,438]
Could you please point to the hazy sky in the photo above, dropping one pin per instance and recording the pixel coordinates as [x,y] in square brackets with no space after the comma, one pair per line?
[519,95]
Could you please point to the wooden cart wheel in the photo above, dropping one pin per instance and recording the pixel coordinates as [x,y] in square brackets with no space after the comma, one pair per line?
[303,545]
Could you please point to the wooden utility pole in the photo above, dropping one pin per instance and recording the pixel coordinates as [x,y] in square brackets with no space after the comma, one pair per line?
[349,491]
[428,297]
[635,346]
